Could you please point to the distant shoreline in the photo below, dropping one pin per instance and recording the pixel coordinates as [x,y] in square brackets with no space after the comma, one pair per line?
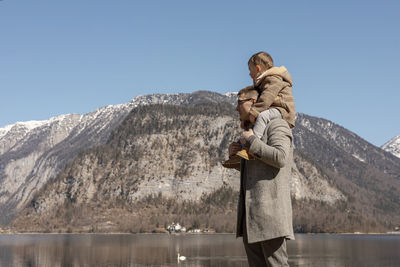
[183,234]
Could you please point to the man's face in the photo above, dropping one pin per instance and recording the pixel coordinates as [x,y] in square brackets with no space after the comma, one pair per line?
[243,107]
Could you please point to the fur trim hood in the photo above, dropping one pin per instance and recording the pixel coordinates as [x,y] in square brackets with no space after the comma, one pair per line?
[280,71]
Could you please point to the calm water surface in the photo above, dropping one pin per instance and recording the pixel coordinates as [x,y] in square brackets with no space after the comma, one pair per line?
[201,250]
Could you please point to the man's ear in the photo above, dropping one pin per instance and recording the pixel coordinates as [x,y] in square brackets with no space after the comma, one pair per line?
[258,67]
[254,100]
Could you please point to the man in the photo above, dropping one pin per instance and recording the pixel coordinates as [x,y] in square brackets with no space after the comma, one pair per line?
[265,209]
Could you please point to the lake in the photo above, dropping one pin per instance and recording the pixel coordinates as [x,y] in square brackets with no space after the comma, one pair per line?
[200,250]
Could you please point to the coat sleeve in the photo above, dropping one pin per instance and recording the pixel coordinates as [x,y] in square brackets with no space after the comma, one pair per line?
[271,88]
[276,151]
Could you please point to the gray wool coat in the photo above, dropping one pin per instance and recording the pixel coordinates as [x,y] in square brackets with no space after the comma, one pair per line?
[264,201]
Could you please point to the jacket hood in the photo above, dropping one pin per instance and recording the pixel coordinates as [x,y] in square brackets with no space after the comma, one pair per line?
[280,71]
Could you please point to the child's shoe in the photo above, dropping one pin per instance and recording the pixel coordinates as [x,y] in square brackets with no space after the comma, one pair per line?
[244,154]
[232,163]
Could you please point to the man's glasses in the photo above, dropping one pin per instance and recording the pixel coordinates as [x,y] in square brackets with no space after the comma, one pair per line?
[239,102]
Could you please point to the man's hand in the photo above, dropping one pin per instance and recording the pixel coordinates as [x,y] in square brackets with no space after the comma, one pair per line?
[246,135]
[234,148]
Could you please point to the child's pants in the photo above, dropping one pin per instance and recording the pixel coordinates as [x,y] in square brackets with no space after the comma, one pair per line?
[262,120]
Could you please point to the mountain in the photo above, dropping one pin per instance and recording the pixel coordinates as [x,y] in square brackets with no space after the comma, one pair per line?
[22,145]
[42,151]
[160,162]
[171,152]
[367,175]
[393,146]
[32,153]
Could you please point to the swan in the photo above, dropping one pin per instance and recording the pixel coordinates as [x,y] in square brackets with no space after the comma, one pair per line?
[181,258]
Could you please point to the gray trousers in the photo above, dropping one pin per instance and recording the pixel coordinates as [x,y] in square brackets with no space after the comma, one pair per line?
[262,120]
[270,253]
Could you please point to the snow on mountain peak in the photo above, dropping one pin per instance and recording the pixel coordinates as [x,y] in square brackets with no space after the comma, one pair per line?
[27,126]
[230,94]
[30,125]
[5,130]
[393,146]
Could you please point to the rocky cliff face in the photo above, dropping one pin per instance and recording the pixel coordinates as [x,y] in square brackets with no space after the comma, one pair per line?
[174,152]
[31,156]
[23,144]
[170,150]
[367,175]
[32,153]
[346,141]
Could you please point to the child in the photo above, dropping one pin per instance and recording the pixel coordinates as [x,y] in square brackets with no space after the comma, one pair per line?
[275,98]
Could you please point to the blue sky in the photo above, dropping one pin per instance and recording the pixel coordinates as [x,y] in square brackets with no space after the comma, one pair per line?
[59,57]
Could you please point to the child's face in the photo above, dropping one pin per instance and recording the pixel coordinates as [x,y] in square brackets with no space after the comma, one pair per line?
[254,71]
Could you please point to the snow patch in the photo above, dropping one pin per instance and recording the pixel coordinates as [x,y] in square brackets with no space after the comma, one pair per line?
[30,125]
[393,146]
[358,157]
[230,94]
[5,130]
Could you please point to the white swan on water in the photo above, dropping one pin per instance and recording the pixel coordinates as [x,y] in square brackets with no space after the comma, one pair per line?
[181,258]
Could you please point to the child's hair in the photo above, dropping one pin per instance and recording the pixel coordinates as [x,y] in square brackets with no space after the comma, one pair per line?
[263,59]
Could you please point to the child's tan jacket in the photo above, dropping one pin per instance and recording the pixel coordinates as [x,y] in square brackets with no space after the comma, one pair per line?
[275,89]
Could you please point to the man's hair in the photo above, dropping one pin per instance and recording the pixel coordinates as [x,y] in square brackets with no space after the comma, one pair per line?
[248,92]
[263,59]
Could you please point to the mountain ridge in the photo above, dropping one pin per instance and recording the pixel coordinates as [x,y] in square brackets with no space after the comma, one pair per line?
[317,178]
[174,151]
[25,170]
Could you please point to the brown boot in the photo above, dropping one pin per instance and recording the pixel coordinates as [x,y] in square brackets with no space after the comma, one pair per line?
[232,163]
[244,154]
